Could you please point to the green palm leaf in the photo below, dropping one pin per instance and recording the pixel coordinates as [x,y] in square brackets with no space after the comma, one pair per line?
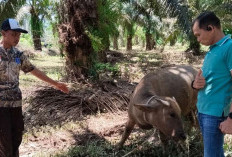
[9,8]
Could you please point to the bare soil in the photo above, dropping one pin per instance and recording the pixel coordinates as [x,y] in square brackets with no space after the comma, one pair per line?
[97,109]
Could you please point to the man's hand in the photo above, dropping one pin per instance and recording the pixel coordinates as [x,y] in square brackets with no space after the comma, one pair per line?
[63,87]
[226,126]
[199,81]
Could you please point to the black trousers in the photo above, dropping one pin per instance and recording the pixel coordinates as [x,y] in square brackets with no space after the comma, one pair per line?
[11,131]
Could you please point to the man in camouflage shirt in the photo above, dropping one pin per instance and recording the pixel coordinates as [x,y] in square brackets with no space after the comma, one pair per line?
[11,62]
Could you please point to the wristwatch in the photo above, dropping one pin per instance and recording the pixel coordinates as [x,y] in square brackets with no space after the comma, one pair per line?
[230,115]
[192,84]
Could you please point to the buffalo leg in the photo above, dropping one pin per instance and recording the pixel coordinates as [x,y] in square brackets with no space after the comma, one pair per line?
[164,141]
[129,127]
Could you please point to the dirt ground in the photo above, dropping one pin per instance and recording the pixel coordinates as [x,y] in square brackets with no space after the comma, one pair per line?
[108,126]
[45,109]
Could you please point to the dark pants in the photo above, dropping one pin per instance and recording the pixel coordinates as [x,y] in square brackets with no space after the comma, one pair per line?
[11,131]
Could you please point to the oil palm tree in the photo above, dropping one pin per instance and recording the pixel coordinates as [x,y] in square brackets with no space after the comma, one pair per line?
[37,11]
[179,9]
[75,17]
[128,21]
[85,29]
[149,18]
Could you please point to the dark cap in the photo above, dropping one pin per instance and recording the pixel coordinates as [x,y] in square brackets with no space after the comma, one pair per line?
[12,24]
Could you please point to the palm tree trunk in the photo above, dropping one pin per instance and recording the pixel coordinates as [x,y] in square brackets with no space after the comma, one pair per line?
[129,43]
[148,41]
[115,42]
[129,37]
[75,17]
[194,46]
[36,28]
[153,43]
[36,41]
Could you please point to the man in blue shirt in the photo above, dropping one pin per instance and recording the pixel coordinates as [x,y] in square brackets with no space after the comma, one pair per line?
[214,82]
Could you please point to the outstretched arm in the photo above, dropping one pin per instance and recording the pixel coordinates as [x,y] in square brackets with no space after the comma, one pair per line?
[42,76]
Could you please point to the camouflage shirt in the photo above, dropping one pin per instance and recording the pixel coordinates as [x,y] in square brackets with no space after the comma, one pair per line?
[11,62]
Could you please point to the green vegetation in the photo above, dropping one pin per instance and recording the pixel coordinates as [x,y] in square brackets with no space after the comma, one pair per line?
[53,66]
[112,71]
[88,29]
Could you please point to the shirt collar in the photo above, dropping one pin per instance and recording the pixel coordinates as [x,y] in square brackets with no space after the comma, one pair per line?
[7,51]
[222,41]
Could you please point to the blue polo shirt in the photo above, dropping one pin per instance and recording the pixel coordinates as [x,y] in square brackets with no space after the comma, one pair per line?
[215,97]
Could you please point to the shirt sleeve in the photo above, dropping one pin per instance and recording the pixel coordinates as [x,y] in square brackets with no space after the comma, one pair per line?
[26,65]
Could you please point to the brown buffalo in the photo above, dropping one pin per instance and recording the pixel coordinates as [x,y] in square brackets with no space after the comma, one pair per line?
[159,100]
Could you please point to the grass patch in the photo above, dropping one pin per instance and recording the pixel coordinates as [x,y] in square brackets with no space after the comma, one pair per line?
[52,66]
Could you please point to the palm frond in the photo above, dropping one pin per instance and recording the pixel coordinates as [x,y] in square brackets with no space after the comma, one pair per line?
[23,12]
[174,8]
[9,8]
[224,8]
